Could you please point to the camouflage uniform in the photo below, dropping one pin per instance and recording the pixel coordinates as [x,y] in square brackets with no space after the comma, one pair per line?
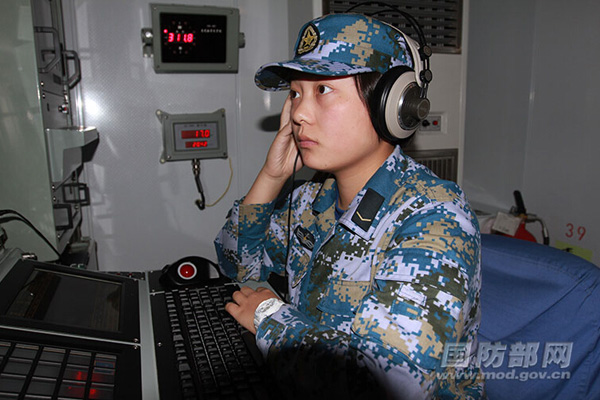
[375,295]
[340,45]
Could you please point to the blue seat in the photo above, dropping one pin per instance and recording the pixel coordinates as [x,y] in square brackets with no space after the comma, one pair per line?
[540,327]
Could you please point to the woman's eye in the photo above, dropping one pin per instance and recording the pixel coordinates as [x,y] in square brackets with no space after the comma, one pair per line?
[324,89]
[294,94]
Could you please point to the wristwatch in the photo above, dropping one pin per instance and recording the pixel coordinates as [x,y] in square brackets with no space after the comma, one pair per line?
[265,309]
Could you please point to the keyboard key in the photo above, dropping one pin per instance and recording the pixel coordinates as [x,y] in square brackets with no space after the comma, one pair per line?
[25,351]
[53,354]
[184,367]
[74,390]
[17,366]
[103,375]
[80,357]
[101,392]
[4,347]
[41,386]
[47,369]
[11,384]
[105,361]
[76,373]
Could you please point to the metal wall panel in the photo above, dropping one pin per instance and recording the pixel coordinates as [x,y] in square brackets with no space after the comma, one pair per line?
[24,180]
[143,213]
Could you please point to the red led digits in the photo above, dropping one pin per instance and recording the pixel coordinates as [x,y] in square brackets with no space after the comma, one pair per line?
[175,37]
[196,144]
[196,134]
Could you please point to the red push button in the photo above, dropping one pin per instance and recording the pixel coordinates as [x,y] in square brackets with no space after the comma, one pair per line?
[187,271]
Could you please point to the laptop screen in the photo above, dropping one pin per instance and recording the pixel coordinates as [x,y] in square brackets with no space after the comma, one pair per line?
[69,300]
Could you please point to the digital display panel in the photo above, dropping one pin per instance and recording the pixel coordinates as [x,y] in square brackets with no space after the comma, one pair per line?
[193,38]
[196,135]
[193,136]
[68,300]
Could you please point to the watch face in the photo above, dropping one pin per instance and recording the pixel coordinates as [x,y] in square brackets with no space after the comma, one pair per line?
[265,309]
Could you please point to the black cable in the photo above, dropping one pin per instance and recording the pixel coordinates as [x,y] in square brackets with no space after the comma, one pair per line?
[289,220]
[424,51]
[28,223]
[201,202]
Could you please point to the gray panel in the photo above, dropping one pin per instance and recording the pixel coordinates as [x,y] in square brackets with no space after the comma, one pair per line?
[25,183]
[65,150]
[52,114]
[193,136]
[497,103]
[31,102]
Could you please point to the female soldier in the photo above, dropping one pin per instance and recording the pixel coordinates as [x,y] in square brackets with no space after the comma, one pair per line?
[382,258]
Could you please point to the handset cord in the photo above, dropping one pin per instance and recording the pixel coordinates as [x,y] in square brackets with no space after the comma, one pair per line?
[201,202]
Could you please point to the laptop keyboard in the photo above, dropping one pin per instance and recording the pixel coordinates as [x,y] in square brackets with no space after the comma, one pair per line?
[216,357]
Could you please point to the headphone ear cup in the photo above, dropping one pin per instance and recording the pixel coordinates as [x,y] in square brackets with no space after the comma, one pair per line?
[396,105]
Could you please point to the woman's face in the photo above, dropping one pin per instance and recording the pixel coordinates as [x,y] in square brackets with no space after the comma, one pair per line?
[332,126]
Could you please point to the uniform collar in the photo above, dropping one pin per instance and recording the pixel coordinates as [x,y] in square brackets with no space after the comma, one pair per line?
[366,209]
[326,197]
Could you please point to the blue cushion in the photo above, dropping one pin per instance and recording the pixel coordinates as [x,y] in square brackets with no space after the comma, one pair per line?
[534,294]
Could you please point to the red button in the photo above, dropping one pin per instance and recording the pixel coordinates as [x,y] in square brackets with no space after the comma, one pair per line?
[187,270]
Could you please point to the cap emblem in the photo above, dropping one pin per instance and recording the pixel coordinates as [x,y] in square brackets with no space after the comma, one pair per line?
[308,40]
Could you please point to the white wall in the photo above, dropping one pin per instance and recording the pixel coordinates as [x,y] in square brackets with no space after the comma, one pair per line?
[143,214]
[533,91]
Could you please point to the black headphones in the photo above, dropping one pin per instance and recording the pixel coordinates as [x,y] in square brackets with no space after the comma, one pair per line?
[399,100]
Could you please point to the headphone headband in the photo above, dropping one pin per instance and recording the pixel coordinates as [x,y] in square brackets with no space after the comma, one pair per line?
[399,100]
[417,61]
[419,49]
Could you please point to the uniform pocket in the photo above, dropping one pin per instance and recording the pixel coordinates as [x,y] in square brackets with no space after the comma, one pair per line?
[340,302]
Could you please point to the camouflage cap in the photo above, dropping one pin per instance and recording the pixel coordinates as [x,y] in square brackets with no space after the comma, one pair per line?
[339,45]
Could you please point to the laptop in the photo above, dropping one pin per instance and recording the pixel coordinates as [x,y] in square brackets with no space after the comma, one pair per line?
[68,333]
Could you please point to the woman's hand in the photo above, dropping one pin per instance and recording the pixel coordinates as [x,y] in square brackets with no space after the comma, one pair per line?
[245,302]
[283,150]
[279,165]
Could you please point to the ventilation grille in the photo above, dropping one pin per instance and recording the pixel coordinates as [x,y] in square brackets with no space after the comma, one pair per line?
[443,163]
[441,20]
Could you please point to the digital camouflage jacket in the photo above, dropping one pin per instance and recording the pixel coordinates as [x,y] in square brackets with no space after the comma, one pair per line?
[377,297]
